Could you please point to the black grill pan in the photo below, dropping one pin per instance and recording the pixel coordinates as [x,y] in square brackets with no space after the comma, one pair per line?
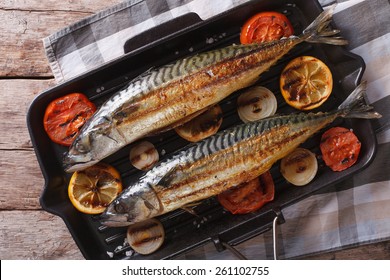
[181,37]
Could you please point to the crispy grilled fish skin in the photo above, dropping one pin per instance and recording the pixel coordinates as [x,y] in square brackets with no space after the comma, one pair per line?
[164,98]
[242,153]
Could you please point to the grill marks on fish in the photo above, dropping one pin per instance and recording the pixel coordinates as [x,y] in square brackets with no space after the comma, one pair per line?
[237,158]
[162,99]
[155,78]
[228,158]
[190,84]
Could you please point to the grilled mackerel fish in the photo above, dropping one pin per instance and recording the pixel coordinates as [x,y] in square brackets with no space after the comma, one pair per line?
[222,161]
[161,99]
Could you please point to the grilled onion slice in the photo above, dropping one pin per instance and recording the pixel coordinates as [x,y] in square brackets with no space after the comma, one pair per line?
[146,237]
[299,167]
[144,156]
[256,103]
[202,126]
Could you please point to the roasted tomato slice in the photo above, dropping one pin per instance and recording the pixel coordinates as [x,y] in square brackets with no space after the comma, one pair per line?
[250,196]
[65,116]
[265,26]
[340,148]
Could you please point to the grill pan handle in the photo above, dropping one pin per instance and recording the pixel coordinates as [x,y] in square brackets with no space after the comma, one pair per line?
[163,31]
[278,219]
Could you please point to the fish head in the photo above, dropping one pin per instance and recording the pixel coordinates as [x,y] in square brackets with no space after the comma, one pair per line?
[95,141]
[79,155]
[137,203]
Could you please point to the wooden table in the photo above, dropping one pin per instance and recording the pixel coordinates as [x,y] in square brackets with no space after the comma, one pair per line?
[26,231]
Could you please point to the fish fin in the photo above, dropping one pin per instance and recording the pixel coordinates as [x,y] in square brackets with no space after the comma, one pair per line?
[148,204]
[178,123]
[173,173]
[319,30]
[189,208]
[145,74]
[125,110]
[104,126]
[105,129]
[355,107]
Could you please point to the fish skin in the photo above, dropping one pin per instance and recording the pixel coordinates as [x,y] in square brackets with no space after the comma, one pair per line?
[161,99]
[153,102]
[243,153]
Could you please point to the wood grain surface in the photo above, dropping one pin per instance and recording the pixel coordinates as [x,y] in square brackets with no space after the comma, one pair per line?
[26,231]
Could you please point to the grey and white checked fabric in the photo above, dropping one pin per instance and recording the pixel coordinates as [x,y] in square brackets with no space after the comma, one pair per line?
[355,211]
[100,38]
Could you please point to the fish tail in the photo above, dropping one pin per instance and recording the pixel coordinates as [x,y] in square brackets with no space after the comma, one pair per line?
[355,107]
[319,30]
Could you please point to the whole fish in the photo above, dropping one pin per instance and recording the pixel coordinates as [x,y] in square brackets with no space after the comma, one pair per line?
[242,153]
[173,94]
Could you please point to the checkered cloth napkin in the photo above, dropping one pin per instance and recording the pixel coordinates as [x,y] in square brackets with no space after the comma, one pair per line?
[354,212]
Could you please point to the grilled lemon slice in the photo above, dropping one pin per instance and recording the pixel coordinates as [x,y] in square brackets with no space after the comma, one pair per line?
[306,83]
[202,126]
[93,189]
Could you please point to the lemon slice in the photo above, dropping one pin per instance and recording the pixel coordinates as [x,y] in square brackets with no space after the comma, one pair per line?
[93,189]
[306,83]
[202,126]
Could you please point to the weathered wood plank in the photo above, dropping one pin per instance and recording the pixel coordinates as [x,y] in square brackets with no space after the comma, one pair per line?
[27,23]
[21,181]
[84,6]
[27,232]
[15,100]
[35,235]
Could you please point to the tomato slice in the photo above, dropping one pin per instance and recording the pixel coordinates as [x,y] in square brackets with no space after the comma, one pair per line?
[250,196]
[65,116]
[340,148]
[265,26]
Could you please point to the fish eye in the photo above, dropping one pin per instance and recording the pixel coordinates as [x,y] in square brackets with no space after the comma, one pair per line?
[80,147]
[120,207]
[82,144]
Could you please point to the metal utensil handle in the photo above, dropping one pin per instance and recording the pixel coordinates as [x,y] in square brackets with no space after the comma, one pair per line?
[221,245]
[279,219]
[274,237]
[234,251]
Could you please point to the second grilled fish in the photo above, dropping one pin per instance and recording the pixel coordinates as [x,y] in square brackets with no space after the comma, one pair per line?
[164,98]
[222,161]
